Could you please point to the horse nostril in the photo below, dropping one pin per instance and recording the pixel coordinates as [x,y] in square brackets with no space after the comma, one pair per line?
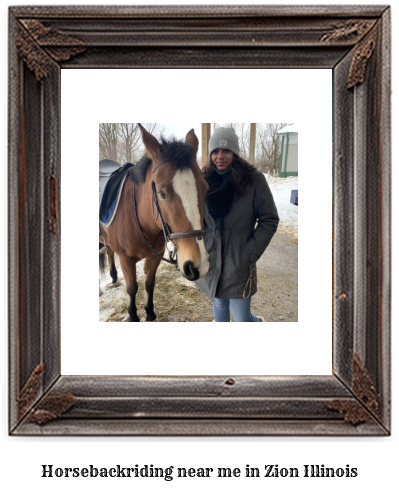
[190,271]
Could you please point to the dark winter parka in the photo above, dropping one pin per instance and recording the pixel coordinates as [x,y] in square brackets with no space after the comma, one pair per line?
[236,242]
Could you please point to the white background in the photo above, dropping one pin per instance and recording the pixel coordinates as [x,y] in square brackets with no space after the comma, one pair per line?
[303,348]
[375,458]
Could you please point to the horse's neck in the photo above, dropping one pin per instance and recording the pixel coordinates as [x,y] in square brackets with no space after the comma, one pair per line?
[146,210]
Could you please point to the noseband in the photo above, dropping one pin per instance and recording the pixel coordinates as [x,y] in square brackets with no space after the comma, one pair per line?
[169,236]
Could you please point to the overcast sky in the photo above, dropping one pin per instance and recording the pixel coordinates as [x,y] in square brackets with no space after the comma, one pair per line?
[180,130]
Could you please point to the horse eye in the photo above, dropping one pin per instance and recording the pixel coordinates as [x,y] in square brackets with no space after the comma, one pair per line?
[162,195]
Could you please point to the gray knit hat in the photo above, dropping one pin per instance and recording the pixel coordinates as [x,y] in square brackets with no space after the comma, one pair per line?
[224,138]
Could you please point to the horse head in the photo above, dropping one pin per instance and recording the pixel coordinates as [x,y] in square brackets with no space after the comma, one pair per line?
[178,191]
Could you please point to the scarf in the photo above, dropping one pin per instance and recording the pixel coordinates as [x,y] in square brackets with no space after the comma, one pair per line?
[220,195]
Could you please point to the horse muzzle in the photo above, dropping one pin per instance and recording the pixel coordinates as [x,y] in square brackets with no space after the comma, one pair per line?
[190,271]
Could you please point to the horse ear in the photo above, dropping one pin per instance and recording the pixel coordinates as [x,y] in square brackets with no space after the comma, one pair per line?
[152,145]
[191,139]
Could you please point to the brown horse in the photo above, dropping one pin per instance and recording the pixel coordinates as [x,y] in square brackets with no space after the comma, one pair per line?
[162,200]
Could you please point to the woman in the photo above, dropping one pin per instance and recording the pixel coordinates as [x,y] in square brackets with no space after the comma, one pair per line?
[241,219]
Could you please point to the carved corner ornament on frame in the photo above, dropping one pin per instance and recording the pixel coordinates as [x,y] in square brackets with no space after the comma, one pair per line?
[353,42]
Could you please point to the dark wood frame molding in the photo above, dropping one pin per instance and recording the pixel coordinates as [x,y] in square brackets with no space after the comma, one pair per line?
[352,41]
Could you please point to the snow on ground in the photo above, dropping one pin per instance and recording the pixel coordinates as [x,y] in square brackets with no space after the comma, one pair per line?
[281,189]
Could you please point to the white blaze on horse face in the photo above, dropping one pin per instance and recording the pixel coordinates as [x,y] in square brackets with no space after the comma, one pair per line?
[185,187]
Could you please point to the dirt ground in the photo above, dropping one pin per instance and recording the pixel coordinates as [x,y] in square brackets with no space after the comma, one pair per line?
[178,300]
[277,297]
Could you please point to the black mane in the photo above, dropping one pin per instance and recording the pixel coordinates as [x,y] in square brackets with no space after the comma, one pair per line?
[176,152]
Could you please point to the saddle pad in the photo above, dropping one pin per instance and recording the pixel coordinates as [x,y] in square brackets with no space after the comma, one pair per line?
[112,192]
[106,168]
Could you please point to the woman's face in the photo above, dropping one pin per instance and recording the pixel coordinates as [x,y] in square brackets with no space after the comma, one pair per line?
[222,159]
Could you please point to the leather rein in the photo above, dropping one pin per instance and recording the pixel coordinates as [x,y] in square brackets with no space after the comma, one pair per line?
[169,236]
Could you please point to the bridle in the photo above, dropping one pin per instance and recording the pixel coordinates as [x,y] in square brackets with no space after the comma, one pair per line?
[169,236]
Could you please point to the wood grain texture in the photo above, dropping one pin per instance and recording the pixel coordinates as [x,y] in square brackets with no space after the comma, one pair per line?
[343,213]
[200,427]
[385,264]
[14,315]
[50,162]
[355,399]
[195,31]
[293,12]
[203,387]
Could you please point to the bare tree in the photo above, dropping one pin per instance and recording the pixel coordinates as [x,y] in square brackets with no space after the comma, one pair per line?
[130,139]
[128,136]
[269,146]
[109,141]
[243,133]
[121,141]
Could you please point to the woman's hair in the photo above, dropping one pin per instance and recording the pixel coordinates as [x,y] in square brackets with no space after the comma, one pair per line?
[242,173]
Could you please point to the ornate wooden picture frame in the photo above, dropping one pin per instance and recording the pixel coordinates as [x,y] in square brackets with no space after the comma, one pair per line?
[352,41]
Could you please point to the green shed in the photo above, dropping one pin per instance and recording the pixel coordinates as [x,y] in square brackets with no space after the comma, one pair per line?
[289,151]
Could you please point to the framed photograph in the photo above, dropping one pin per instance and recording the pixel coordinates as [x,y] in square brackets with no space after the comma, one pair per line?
[353,42]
